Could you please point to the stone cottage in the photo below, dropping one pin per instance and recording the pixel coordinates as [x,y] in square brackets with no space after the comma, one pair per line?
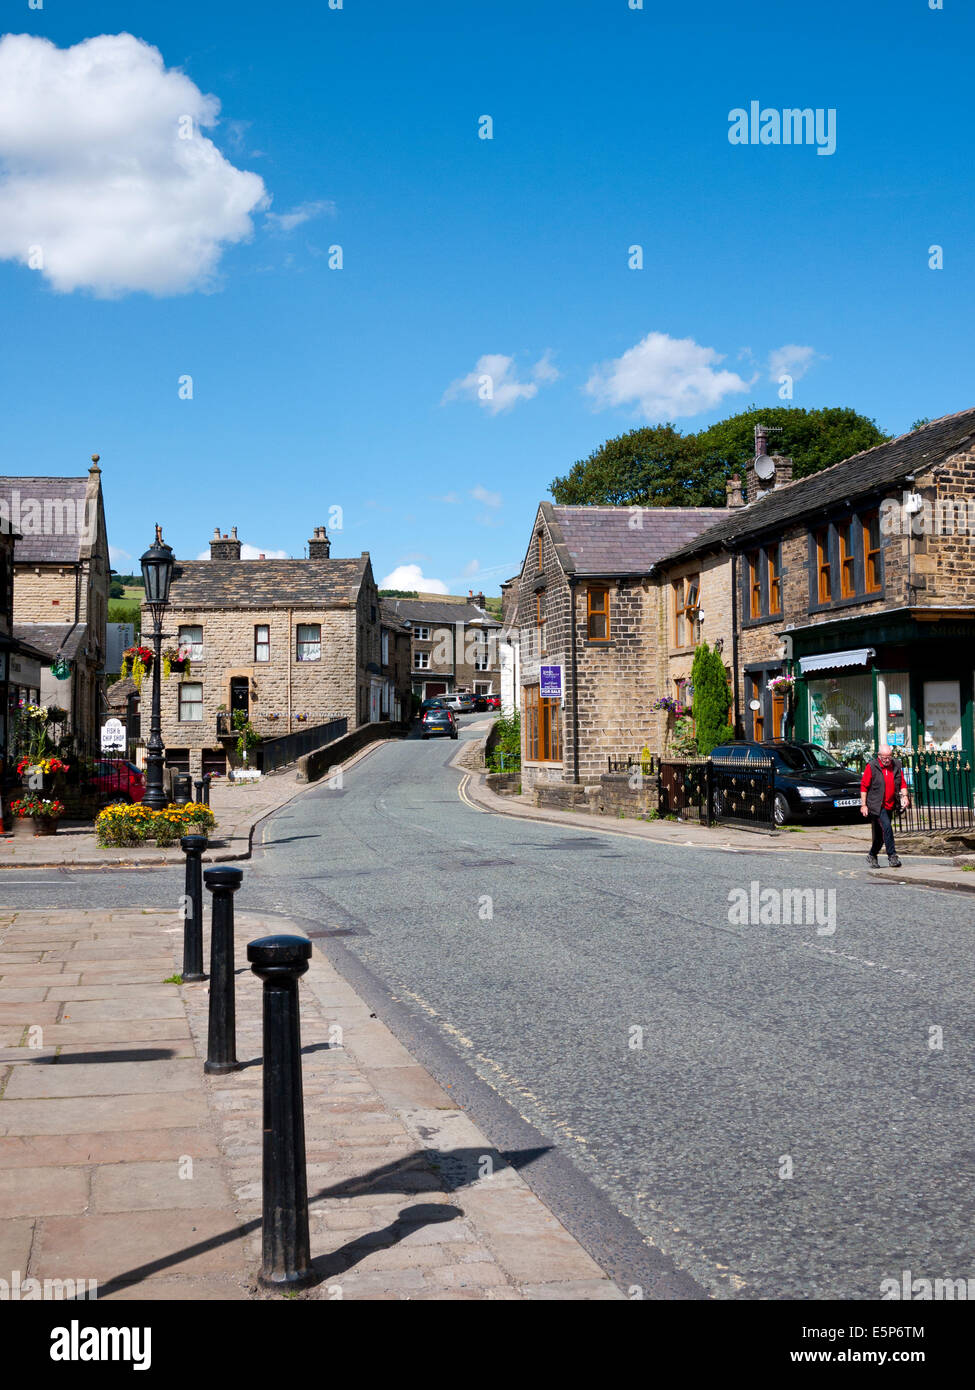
[455,644]
[290,644]
[61,581]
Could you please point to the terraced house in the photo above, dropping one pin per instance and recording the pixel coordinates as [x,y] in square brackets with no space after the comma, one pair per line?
[288,644]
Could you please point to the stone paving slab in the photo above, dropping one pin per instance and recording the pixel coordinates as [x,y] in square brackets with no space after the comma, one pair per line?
[124,1163]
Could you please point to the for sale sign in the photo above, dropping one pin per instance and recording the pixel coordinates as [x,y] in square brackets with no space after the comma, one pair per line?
[550,682]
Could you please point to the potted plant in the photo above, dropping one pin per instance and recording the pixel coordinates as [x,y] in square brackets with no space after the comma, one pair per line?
[137,663]
[176,659]
[45,813]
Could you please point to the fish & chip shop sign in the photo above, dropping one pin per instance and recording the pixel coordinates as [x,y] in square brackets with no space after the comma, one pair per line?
[550,683]
[113,736]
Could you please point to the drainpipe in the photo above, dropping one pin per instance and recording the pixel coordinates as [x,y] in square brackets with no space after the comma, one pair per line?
[290,640]
[734,639]
[575,681]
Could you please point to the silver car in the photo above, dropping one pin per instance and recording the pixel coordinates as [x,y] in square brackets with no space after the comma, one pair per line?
[460,703]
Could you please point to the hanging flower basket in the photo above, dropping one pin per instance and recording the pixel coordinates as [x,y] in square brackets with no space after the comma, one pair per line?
[137,663]
[782,685]
[176,659]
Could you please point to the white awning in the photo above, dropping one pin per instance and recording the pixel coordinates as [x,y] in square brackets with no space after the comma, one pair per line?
[858,656]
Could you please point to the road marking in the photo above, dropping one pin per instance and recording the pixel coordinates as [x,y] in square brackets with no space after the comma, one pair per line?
[462,793]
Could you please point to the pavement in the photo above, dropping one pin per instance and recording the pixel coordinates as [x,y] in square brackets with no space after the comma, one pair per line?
[123,1163]
[932,871]
[238,807]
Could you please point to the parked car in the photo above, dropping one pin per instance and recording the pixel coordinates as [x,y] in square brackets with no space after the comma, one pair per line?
[118,780]
[809,782]
[480,702]
[462,702]
[435,702]
[493,701]
[439,722]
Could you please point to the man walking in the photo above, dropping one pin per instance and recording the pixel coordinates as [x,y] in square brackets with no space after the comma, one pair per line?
[881,785]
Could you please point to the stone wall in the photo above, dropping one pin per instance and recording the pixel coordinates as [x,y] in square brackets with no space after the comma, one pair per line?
[314,766]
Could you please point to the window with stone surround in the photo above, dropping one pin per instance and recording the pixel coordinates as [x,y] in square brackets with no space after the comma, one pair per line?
[308,642]
[873,581]
[191,636]
[763,583]
[262,642]
[543,742]
[686,603]
[421,661]
[824,580]
[190,702]
[422,634]
[847,560]
[597,613]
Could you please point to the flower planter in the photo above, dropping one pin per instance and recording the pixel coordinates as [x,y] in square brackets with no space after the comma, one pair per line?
[45,825]
[23,825]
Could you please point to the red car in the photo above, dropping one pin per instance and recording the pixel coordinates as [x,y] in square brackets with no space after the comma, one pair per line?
[118,780]
[493,701]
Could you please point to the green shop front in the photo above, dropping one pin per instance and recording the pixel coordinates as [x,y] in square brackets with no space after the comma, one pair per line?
[904,677]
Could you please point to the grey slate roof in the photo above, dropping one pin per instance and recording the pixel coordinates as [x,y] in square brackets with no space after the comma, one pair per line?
[54,639]
[266,583]
[602,540]
[868,472]
[430,612]
[51,548]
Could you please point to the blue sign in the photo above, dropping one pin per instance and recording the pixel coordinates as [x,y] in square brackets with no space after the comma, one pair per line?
[550,682]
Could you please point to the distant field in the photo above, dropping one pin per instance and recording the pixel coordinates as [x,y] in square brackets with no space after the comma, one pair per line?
[131,591]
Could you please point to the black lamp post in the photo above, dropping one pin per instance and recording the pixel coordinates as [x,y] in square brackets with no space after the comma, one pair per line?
[157,572]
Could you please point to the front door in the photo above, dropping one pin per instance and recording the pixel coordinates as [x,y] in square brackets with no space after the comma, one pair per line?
[240,694]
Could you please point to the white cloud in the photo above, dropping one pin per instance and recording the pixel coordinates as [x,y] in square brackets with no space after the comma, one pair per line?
[450,497]
[490,499]
[251,552]
[412,577]
[790,360]
[494,383]
[287,221]
[104,169]
[115,554]
[665,378]
[471,568]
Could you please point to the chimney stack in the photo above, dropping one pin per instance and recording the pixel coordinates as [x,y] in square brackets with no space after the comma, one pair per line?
[319,547]
[224,547]
[478,600]
[733,492]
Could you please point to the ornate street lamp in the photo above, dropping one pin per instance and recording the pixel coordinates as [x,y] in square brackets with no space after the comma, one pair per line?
[157,572]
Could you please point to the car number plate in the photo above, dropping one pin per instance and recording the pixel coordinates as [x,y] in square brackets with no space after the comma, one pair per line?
[850,801]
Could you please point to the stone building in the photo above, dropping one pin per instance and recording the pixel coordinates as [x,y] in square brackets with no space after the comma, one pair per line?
[590,606]
[455,644]
[20,668]
[859,581]
[397,666]
[291,644]
[61,581]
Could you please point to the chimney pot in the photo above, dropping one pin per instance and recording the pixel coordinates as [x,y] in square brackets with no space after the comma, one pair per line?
[224,547]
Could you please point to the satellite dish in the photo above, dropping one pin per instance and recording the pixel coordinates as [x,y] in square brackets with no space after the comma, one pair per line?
[765,467]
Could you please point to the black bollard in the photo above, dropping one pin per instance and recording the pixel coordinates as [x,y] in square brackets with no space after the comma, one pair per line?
[222,882]
[206,789]
[286,1257]
[193,847]
[199,792]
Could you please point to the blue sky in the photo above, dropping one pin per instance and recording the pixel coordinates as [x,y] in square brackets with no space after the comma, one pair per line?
[315,388]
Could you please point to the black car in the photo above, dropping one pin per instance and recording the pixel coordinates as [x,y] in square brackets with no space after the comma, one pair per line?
[435,702]
[809,783]
[438,721]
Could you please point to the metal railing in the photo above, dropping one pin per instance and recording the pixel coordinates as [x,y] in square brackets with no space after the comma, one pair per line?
[942,788]
[648,763]
[273,753]
[730,791]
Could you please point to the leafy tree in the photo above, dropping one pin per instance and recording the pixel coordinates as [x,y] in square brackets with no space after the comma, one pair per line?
[711,699]
[398,593]
[657,466]
[116,589]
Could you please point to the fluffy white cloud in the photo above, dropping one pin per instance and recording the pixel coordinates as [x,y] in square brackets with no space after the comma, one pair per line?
[116,554]
[287,221]
[412,577]
[790,360]
[665,378]
[494,383]
[106,181]
[490,499]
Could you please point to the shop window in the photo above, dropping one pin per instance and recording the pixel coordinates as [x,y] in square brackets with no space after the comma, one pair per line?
[894,710]
[597,613]
[542,735]
[214,762]
[841,711]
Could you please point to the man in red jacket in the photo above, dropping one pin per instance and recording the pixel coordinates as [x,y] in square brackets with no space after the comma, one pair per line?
[881,785]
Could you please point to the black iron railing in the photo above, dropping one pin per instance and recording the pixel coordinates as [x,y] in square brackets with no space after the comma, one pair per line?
[942,790]
[730,791]
[273,753]
[648,763]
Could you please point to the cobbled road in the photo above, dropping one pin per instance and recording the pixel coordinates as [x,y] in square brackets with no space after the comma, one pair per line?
[715,1107]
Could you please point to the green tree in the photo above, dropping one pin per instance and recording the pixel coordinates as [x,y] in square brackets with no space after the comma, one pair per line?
[657,466]
[711,700]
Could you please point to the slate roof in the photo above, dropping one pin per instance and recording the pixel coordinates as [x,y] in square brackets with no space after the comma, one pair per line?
[118,693]
[53,548]
[868,472]
[266,583]
[432,611]
[54,639]
[602,540]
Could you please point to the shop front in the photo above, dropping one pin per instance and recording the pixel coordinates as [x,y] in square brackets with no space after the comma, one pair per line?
[904,678]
